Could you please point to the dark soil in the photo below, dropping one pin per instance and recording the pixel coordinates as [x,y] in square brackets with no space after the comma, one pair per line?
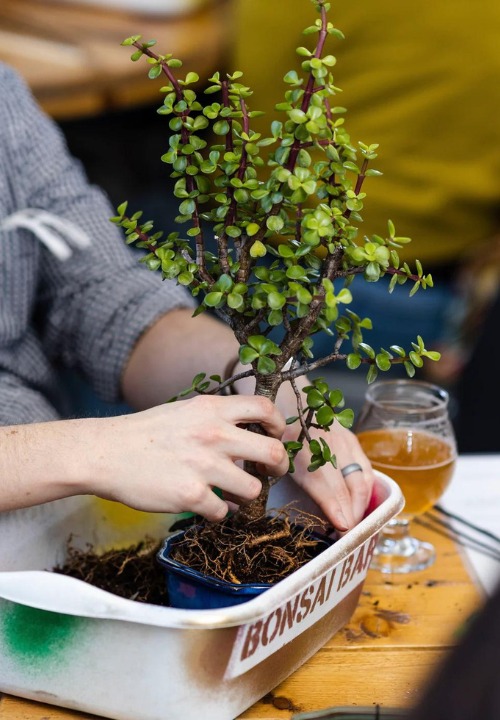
[132,573]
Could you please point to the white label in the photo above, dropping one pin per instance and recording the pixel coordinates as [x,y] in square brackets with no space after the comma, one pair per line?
[256,641]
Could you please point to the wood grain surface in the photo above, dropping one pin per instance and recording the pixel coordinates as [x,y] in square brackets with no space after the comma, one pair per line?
[71,56]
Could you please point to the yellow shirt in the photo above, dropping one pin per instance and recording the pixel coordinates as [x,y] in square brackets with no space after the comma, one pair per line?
[422,80]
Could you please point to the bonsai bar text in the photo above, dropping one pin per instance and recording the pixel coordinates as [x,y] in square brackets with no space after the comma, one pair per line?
[256,641]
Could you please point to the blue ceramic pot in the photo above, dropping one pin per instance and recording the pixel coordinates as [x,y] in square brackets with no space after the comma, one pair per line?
[192,590]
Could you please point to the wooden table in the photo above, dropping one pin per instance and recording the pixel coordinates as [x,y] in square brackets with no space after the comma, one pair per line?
[401,630]
[71,56]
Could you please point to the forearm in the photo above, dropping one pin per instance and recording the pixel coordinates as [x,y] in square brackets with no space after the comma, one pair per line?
[172,352]
[165,459]
[44,461]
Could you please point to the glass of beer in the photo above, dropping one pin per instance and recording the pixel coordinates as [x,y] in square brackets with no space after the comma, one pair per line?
[405,430]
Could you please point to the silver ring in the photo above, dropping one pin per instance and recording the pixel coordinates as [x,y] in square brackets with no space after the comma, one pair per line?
[348,469]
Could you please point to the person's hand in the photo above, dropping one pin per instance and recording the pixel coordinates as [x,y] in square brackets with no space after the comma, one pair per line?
[342,499]
[168,458]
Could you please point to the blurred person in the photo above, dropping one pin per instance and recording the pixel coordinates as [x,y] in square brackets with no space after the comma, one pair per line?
[478,388]
[73,295]
[423,83]
[466,685]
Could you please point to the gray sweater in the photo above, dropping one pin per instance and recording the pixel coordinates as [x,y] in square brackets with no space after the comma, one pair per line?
[85,312]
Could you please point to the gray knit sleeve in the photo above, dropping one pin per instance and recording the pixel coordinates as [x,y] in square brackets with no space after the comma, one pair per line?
[93,307]
[20,403]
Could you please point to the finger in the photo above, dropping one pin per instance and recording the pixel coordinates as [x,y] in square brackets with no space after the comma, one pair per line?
[329,491]
[254,409]
[335,500]
[208,504]
[269,452]
[348,452]
[233,506]
[236,484]
[360,484]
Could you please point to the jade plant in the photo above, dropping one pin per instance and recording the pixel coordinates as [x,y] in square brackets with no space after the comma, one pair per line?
[268,234]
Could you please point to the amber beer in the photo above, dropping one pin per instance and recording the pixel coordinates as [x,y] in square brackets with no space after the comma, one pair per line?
[421,464]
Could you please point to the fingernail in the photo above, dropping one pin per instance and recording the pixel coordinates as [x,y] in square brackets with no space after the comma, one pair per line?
[341,522]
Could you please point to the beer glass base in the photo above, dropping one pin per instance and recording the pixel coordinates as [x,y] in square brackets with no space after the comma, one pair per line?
[399,552]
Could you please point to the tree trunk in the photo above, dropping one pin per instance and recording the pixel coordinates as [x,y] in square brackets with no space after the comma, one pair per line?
[268,386]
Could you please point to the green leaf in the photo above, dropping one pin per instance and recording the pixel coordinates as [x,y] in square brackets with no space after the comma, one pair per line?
[315,399]
[275,223]
[416,359]
[297,116]
[383,362]
[368,350]
[326,453]
[247,355]
[251,229]
[314,447]
[321,385]
[275,300]
[432,355]
[325,416]
[221,127]
[233,231]
[410,369]
[213,299]
[398,350]
[295,272]
[197,379]
[235,301]
[258,249]
[275,318]
[154,72]
[187,207]
[131,40]
[335,398]
[351,166]
[257,341]
[224,283]
[316,463]
[291,77]
[372,374]
[266,365]
[269,347]
[185,278]
[353,361]
[346,418]
[285,250]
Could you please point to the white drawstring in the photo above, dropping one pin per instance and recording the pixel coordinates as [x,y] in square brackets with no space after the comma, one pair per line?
[56,233]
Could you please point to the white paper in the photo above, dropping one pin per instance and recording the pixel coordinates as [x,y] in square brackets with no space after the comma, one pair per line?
[474,494]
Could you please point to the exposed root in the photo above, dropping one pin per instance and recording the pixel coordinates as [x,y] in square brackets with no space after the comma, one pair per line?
[264,550]
[269,538]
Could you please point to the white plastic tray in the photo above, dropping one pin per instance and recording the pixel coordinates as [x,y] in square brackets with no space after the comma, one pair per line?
[68,643]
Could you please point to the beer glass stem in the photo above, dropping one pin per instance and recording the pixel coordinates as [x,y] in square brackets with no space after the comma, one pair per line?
[397,551]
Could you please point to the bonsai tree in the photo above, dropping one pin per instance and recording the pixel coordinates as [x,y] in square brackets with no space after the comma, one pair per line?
[268,236]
